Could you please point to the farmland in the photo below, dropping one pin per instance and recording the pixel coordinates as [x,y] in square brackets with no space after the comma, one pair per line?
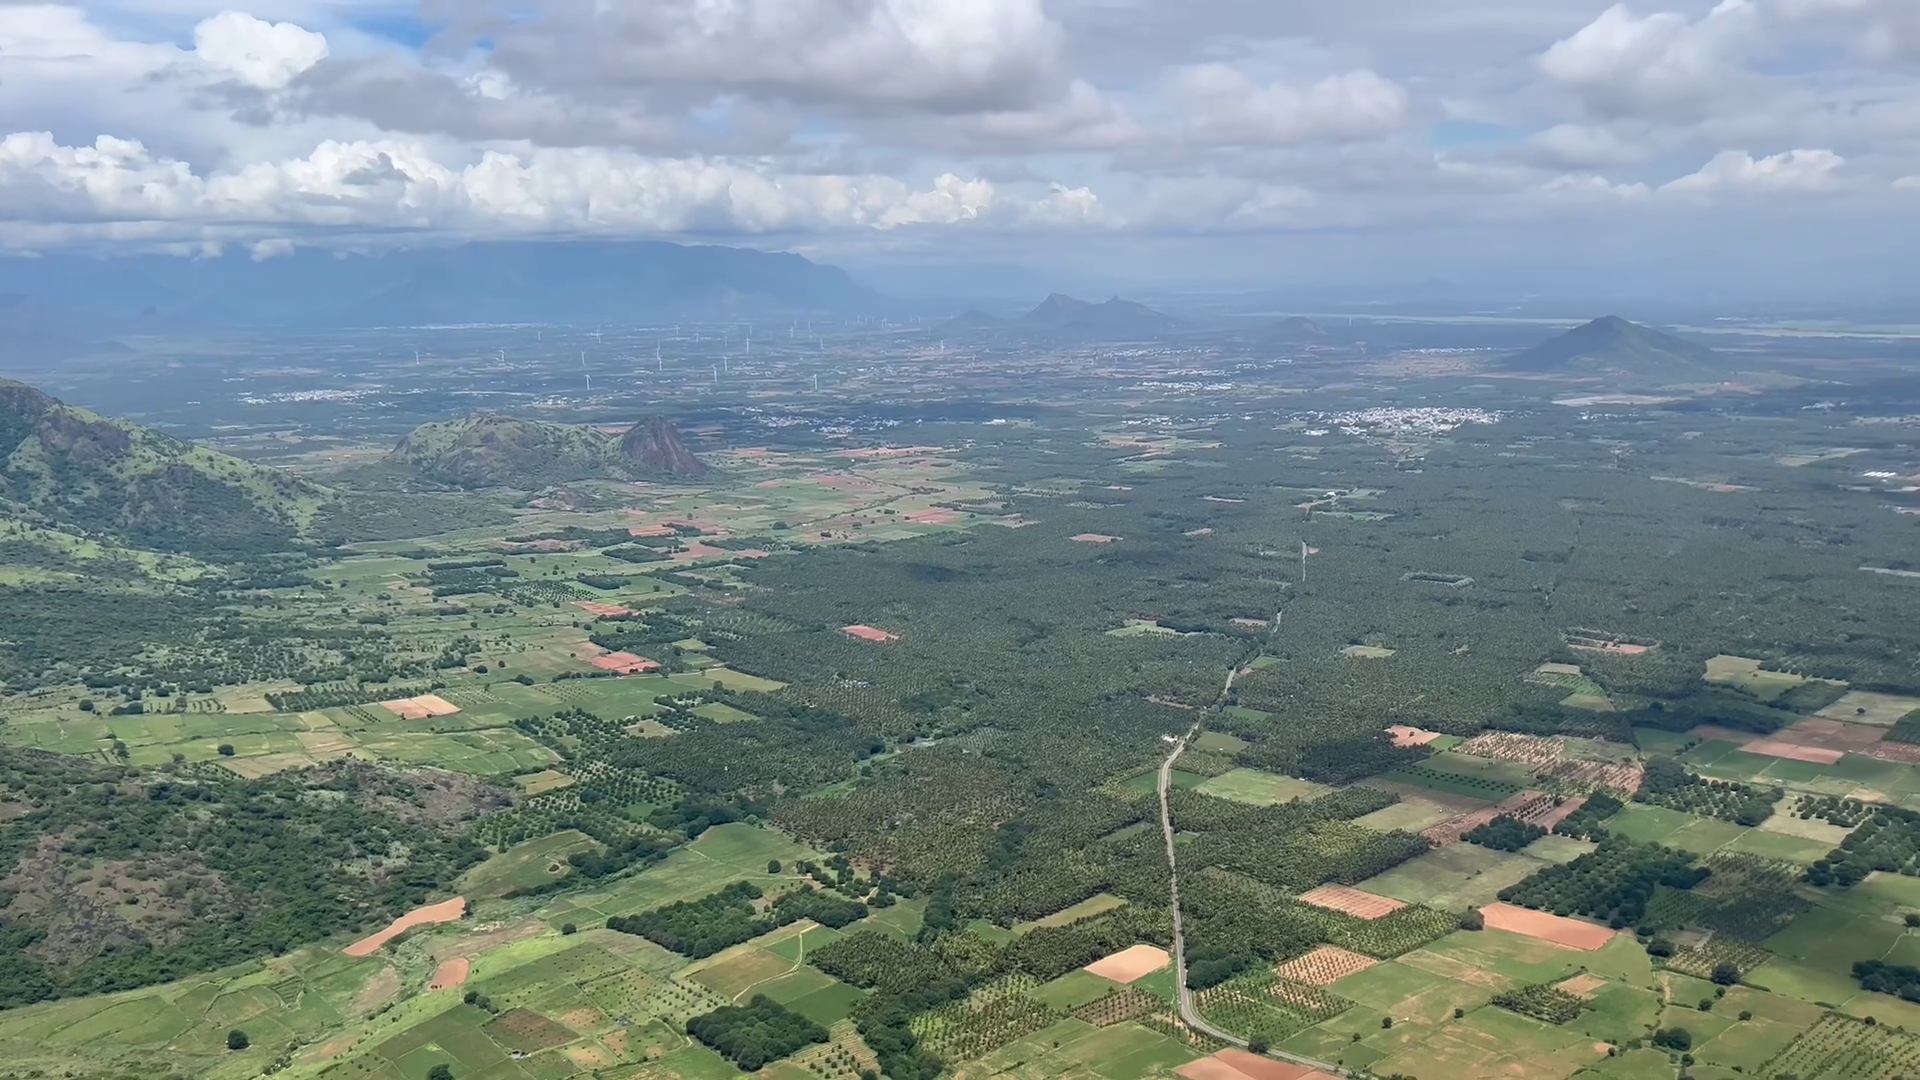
[845,752]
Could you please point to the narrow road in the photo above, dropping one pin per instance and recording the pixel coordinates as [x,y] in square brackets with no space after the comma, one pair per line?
[1188,1014]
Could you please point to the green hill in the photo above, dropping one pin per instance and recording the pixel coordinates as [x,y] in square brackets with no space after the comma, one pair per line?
[503,451]
[73,470]
[1613,348]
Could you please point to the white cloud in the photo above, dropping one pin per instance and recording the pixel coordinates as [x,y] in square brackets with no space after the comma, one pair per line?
[1626,64]
[1907,183]
[393,184]
[272,248]
[1737,170]
[1220,104]
[941,55]
[264,55]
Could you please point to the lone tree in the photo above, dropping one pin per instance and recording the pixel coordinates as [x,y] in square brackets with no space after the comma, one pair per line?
[440,1072]
[1725,973]
[237,1040]
[1471,919]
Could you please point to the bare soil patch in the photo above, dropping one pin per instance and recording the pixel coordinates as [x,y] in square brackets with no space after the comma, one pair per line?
[1404,736]
[420,707]
[1236,1064]
[1582,986]
[1093,538]
[1541,926]
[1791,751]
[625,663]
[1351,901]
[1131,964]
[605,611]
[445,911]
[868,633]
[450,973]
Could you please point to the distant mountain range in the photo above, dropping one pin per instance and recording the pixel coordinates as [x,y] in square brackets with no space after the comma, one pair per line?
[1062,317]
[580,282]
[503,451]
[68,469]
[1613,348]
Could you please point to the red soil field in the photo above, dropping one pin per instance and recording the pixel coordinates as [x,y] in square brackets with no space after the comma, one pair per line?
[649,532]
[1403,735]
[933,517]
[605,611]
[1351,901]
[420,707]
[1780,748]
[625,663]
[450,973]
[1236,1064]
[445,911]
[868,633]
[1541,926]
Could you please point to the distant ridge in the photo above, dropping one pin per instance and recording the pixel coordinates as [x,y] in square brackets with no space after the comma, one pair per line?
[1063,317]
[1612,347]
[612,282]
[489,450]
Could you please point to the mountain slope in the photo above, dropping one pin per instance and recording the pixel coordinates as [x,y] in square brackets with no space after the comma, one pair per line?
[72,469]
[503,451]
[654,445]
[610,282]
[1614,348]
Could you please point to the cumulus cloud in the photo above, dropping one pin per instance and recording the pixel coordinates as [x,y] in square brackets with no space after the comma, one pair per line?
[940,55]
[263,55]
[1737,170]
[1627,64]
[297,124]
[393,184]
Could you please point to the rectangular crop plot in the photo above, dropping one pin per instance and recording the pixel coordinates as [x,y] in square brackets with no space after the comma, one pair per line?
[1324,966]
[1351,901]
[1541,925]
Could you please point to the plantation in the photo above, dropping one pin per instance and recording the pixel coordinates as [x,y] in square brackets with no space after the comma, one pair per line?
[756,1033]
[1505,833]
[1668,783]
[1589,821]
[1544,1003]
[1841,1048]
[1887,840]
[700,928]
[1613,883]
[989,1018]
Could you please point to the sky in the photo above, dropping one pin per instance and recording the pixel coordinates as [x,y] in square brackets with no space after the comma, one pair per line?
[1770,142]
